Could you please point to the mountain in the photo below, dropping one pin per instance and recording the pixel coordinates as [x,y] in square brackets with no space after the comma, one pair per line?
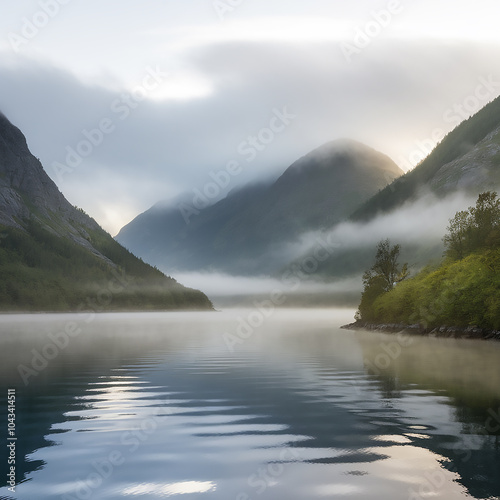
[55,257]
[252,230]
[468,158]
[474,171]
[161,235]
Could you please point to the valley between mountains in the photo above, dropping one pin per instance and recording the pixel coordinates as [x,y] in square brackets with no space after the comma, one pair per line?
[311,231]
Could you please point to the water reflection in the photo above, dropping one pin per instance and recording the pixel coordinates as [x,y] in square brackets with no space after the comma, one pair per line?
[156,406]
[167,490]
[465,376]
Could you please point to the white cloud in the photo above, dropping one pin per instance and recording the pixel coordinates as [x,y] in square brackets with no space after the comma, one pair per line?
[422,221]
[224,80]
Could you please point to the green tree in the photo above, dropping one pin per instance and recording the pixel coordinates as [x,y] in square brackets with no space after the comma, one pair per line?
[385,273]
[386,266]
[486,219]
[474,229]
[457,241]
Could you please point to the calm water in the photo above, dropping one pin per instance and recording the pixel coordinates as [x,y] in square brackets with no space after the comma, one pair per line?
[204,406]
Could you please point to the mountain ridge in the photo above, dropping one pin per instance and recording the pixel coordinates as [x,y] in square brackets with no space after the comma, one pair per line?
[239,233]
[53,256]
[26,190]
[466,161]
[461,141]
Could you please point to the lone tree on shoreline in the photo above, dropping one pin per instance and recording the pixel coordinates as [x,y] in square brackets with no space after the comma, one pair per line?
[385,273]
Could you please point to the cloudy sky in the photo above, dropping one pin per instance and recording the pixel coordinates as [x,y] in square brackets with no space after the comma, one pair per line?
[129,102]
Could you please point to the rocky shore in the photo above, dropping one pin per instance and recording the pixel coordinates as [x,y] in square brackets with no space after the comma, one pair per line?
[456,332]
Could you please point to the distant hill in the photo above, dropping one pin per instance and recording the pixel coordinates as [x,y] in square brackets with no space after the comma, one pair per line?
[55,257]
[250,230]
[467,158]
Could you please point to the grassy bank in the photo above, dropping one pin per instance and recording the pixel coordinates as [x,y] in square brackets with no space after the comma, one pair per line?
[463,291]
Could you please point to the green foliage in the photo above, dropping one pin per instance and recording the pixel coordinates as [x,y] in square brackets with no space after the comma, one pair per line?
[386,265]
[458,239]
[463,291]
[40,270]
[374,286]
[131,264]
[381,277]
[474,229]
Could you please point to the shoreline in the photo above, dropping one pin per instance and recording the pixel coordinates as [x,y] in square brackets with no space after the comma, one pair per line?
[454,332]
[102,311]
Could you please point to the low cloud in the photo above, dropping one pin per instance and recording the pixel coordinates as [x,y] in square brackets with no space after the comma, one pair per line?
[392,96]
[418,226]
[421,221]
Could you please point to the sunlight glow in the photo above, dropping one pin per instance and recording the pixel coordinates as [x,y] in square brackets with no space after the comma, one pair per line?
[183,86]
[113,217]
[284,29]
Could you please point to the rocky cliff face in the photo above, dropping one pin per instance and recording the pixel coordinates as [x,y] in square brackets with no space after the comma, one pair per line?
[26,191]
[467,159]
[476,171]
[55,257]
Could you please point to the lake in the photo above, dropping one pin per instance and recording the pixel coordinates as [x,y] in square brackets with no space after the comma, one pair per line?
[244,405]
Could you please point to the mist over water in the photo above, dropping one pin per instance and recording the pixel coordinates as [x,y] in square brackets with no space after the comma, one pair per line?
[417,226]
[235,291]
[240,405]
